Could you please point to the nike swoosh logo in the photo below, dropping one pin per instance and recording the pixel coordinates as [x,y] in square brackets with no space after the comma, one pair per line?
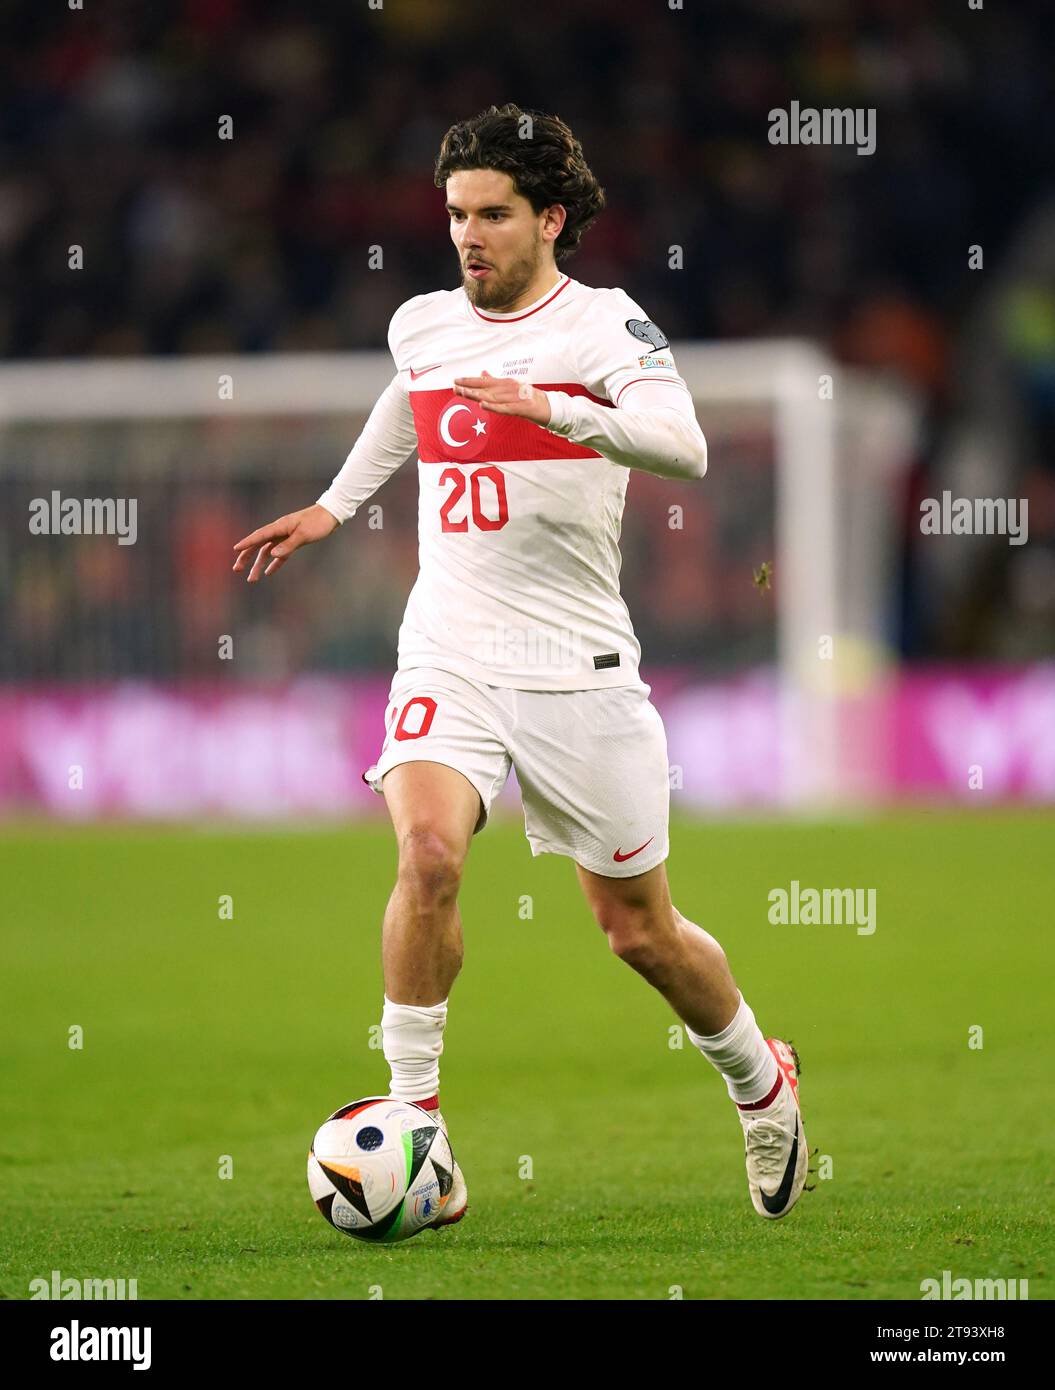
[619,858]
[414,375]
[779,1199]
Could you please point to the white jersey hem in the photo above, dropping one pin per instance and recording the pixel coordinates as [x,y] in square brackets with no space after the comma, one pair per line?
[609,679]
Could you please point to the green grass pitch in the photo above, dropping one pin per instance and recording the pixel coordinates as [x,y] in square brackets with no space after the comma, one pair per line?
[205,1037]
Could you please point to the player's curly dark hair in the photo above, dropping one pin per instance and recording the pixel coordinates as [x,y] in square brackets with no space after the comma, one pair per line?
[545,163]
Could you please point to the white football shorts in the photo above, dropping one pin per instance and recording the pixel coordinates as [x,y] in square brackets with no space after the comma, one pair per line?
[591,764]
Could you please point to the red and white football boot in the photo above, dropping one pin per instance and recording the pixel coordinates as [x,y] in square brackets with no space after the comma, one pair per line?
[775,1142]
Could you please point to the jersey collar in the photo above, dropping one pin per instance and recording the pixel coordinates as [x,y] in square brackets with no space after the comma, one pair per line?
[527,311]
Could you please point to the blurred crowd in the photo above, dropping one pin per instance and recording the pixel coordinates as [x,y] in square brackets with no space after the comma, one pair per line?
[112,118]
[87,607]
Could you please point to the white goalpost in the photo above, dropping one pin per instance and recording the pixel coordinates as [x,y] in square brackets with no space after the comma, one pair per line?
[840,440]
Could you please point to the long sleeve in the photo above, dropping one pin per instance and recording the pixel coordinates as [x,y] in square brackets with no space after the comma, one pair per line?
[656,430]
[622,356]
[387,439]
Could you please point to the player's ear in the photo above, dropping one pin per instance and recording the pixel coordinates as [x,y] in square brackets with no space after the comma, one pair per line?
[559,215]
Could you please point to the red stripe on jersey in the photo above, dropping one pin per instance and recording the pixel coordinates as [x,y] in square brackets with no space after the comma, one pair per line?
[453,429]
[571,388]
[664,380]
[516,318]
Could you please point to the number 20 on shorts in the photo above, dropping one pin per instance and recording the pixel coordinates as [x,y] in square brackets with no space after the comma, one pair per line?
[419,723]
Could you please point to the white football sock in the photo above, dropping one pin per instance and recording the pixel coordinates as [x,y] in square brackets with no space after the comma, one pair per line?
[740,1053]
[412,1039]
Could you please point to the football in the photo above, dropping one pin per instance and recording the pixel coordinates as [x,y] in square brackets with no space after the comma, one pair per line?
[380,1169]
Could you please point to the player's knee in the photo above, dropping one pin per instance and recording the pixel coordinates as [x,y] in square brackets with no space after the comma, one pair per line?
[430,866]
[637,949]
[634,935]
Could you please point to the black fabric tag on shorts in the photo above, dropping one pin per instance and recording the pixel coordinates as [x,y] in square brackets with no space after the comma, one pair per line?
[609,659]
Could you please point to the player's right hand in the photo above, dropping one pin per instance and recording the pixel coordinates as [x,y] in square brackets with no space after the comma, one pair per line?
[279,540]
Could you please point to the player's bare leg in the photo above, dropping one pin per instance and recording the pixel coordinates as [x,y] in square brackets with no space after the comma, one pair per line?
[690,970]
[677,957]
[434,811]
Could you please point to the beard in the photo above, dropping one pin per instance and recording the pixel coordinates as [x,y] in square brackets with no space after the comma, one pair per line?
[501,290]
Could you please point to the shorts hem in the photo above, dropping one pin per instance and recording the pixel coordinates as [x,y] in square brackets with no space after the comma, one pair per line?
[611,870]
[538,848]
[412,757]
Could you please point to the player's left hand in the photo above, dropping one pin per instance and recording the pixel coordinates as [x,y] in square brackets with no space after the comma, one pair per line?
[505,396]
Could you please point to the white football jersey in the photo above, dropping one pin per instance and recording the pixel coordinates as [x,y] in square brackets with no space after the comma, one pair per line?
[518,526]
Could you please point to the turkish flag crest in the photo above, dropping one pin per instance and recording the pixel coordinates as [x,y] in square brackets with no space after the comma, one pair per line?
[462,429]
[452,428]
